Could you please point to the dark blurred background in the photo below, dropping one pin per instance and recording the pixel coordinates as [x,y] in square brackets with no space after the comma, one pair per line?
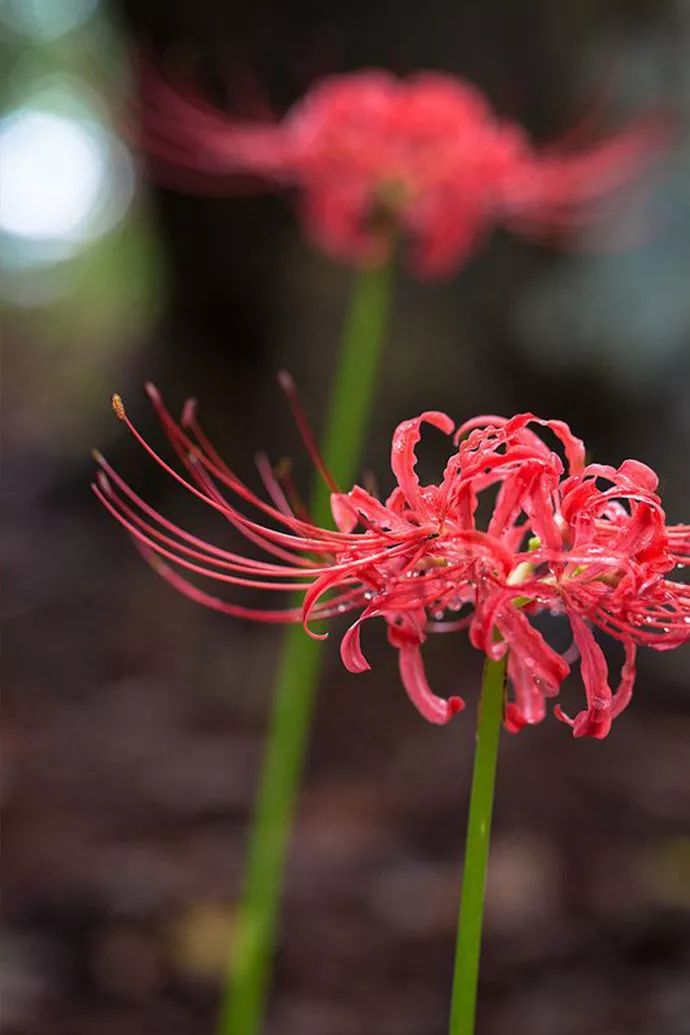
[134,720]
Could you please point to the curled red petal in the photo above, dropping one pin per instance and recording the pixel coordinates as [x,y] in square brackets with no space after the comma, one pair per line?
[404,459]
[344,514]
[514,718]
[573,446]
[639,474]
[595,721]
[623,694]
[312,597]
[545,667]
[434,709]
[351,650]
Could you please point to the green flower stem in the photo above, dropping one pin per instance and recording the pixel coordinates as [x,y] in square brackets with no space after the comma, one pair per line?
[247,987]
[469,937]
[354,384]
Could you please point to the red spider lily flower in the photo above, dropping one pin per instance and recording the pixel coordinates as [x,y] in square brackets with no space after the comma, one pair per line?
[586,541]
[374,155]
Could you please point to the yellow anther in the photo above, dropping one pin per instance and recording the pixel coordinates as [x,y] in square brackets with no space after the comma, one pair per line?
[118,407]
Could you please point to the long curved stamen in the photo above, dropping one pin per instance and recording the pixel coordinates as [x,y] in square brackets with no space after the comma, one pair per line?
[157,547]
[321,539]
[435,709]
[290,391]
[273,486]
[156,516]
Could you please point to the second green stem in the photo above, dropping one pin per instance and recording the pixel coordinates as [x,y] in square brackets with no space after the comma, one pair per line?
[247,987]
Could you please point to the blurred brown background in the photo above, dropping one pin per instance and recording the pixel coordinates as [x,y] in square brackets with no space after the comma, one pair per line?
[134,721]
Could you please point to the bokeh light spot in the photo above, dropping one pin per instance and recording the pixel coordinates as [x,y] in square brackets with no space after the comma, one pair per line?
[45,19]
[53,172]
[67,180]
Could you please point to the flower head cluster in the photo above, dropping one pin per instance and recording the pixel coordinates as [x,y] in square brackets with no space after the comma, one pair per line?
[586,541]
[374,156]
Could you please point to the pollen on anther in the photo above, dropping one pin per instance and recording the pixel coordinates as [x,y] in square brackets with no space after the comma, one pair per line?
[118,407]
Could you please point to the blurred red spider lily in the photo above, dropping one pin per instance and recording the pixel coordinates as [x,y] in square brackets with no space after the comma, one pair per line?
[374,156]
[589,542]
